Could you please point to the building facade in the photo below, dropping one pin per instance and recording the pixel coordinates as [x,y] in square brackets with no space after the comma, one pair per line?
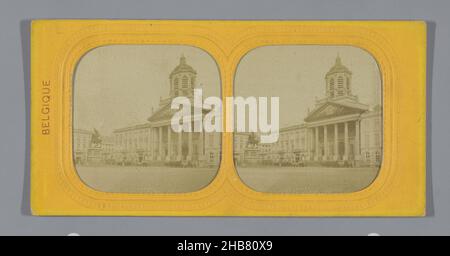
[81,144]
[154,142]
[338,131]
[132,144]
[334,127]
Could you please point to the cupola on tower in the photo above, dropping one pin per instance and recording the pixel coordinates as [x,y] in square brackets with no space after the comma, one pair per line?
[182,79]
[338,81]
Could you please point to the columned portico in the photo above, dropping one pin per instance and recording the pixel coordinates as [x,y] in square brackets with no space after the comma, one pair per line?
[334,141]
[170,144]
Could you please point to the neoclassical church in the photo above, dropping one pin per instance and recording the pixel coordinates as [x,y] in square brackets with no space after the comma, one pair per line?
[339,130]
[334,127]
[156,142]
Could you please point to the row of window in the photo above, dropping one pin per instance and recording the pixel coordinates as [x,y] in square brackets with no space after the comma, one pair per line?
[82,142]
[377,156]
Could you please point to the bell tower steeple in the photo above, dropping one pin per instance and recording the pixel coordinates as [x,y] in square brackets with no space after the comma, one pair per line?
[338,80]
[182,79]
[338,86]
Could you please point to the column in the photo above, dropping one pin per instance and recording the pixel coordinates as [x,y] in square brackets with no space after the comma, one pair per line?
[336,142]
[202,145]
[357,146]
[169,143]
[316,130]
[160,148]
[308,142]
[152,144]
[346,141]
[150,137]
[180,144]
[325,142]
[155,144]
[189,156]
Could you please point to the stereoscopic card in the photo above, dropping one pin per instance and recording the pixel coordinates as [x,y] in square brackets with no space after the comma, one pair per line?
[228,118]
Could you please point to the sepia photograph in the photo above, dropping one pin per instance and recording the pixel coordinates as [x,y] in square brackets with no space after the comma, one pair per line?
[330,119]
[122,136]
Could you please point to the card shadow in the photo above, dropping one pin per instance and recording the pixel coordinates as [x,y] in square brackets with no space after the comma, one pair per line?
[25,43]
[431,32]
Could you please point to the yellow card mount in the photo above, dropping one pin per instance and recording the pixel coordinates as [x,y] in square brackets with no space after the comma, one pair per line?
[228,118]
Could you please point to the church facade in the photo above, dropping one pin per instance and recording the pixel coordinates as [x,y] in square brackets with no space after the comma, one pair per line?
[338,131]
[340,128]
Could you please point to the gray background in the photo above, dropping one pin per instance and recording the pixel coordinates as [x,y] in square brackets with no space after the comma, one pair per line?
[15,216]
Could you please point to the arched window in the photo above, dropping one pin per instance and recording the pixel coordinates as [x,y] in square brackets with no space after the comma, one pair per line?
[332,87]
[175,83]
[184,81]
[340,86]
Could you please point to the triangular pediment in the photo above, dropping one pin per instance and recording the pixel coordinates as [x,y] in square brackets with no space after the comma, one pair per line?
[332,110]
[165,113]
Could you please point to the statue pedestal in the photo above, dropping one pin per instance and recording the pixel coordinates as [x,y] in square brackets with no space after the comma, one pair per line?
[251,156]
[94,156]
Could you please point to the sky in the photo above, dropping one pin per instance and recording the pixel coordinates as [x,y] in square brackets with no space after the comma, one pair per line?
[117,86]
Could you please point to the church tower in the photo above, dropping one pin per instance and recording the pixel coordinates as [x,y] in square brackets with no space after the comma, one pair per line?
[338,81]
[182,79]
